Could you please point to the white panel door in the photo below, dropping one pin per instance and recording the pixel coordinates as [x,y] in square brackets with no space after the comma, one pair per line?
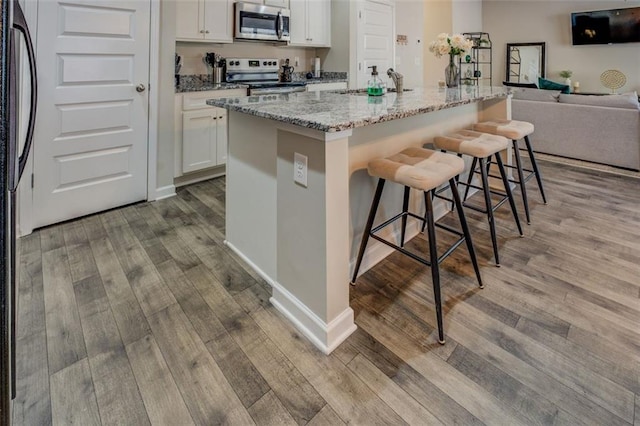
[90,145]
[375,39]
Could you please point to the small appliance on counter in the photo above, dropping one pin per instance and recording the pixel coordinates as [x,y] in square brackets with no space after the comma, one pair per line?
[261,75]
[287,72]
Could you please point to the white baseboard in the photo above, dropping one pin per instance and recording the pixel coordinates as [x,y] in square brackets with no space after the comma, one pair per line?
[255,267]
[325,337]
[164,192]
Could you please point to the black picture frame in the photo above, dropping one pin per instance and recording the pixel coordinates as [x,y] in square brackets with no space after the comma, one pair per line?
[513,56]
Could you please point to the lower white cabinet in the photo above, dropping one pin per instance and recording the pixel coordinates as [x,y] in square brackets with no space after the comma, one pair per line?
[204,139]
[201,131]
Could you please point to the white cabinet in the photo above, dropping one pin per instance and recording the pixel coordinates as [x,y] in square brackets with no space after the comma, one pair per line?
[310,23]
[201,131]
[204,139]
[205,20]
[319,87]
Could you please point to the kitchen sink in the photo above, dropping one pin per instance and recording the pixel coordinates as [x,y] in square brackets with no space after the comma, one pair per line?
[363,92]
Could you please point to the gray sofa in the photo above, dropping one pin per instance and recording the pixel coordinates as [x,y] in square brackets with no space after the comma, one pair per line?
[601,129]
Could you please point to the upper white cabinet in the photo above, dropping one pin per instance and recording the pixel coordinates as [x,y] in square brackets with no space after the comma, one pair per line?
[205,20]
[310,23]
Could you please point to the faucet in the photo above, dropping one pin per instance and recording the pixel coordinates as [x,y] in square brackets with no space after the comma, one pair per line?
[397,79]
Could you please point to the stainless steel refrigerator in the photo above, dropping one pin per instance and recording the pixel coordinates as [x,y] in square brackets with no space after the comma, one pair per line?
[14,149]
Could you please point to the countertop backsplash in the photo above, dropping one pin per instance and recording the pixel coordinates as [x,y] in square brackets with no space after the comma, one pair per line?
[192,54]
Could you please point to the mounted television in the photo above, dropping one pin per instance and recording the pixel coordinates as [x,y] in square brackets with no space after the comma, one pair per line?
[606,26]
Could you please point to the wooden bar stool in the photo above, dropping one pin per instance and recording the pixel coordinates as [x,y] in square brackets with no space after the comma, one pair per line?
[482,146]
[425,170]
[516,130]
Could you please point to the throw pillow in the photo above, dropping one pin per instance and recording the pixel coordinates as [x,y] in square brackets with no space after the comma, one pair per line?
[625,100]
[545,84]
[536,95]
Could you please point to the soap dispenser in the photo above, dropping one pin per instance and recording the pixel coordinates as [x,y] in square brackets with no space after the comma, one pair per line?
[375,86]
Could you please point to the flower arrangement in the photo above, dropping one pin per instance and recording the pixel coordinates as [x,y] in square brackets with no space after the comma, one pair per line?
[451,45]
[566,73]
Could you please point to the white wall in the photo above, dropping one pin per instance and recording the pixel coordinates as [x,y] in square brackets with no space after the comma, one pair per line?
[410,56]
[549,21]
[466,16]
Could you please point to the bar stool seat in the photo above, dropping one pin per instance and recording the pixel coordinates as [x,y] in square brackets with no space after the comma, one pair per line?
[482,146]
[510,129]
[417,168]
[516,130]
[474,144]
[425,170]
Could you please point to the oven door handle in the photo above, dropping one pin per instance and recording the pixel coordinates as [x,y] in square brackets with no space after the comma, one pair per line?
[280,24]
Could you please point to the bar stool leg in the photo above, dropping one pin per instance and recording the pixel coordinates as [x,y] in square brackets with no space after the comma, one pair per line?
[507,189]
[367,229]
[470,178]
[535,168]
[435,268]
[465,230]
[487,199]
[523,187]
[405,209]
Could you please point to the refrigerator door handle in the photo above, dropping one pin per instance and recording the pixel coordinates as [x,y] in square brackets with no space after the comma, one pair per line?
[20,23]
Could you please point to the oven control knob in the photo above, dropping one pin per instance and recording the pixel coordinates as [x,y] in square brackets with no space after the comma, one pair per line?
[264,63]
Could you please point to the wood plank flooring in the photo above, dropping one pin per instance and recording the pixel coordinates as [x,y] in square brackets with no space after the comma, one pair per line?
[141,315]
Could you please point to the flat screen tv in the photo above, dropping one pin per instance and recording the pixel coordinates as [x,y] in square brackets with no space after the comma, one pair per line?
[606,26]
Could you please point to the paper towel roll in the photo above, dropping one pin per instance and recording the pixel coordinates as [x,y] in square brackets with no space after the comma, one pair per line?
[316,68]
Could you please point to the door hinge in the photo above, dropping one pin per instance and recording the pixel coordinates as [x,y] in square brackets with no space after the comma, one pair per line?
[32,179]
[360,14]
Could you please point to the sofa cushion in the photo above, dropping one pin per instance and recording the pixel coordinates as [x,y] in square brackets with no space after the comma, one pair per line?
[545,84]
[625,100]
[536,95]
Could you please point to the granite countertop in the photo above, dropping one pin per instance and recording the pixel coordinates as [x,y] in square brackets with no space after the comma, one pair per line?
[342,110]
[201,83]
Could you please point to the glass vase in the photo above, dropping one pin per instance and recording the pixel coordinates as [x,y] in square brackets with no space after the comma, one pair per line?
[452,73]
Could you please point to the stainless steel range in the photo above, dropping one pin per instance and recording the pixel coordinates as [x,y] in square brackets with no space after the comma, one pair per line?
[261,75]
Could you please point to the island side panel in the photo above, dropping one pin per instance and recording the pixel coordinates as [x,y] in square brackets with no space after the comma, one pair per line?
[313,237]
[252,191]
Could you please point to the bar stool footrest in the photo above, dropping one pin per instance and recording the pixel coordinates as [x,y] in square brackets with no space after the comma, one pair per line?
[406,252]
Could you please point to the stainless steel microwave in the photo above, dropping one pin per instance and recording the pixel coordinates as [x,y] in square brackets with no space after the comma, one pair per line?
[259,22]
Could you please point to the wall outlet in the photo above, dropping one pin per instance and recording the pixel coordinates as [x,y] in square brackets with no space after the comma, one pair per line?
[300,169]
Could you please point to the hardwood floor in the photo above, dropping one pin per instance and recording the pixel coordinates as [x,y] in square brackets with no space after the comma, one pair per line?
[142,316]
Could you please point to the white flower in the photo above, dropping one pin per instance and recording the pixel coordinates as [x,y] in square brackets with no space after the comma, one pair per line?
[457,44]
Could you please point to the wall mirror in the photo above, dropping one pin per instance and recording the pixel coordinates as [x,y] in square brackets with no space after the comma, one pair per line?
[525,62]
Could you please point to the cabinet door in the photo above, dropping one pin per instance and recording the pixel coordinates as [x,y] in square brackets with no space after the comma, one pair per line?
[199,137]
[319,22]
[298,22]
[277,3]
[189,22]
[217,20]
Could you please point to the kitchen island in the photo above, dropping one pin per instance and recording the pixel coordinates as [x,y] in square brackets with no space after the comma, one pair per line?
[303,238]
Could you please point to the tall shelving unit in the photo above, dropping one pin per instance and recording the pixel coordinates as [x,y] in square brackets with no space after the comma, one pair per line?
[478,70]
